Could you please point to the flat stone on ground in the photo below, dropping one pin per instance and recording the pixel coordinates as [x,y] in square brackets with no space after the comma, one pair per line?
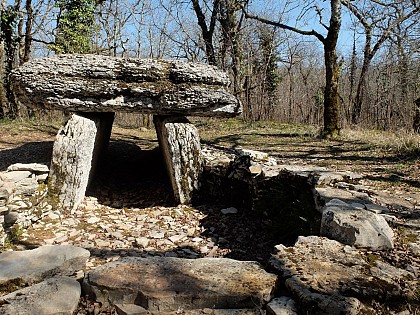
[27,186]
[169,284]
[32,167]
[326,277]
[132,309]
[55,296]
[14,176]
[31,266]
[359,228]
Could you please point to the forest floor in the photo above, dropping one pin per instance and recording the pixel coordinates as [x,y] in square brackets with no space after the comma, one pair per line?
[388,161]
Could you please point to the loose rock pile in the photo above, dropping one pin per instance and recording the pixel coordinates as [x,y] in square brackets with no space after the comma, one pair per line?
[134,251]
[20,195]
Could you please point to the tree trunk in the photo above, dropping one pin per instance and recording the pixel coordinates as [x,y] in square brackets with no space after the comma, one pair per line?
[8,18]
[416,123]
[28,32]
[207,31]
[332,74]
[360,92]
[331,96]
[2,73]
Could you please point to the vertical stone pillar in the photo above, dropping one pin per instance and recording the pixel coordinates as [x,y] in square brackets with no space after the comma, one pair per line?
[180,145]
[76,152]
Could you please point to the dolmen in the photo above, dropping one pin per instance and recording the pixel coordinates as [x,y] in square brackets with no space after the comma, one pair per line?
[93,87]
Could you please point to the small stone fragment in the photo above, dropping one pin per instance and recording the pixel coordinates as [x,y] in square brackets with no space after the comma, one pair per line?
[230,210]
[336,202]
[3,210]
[255,169]
[177,238]
[93,220]
[282,306]
[32,167]
[129,309]
[157,235]
[357,206]
[102,243]
[142,241]
[15,176]
[42,178]
[255,155]
[11,218]
[376,208]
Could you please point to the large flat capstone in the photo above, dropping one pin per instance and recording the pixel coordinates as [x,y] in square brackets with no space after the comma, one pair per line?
[96,83]
[170,284]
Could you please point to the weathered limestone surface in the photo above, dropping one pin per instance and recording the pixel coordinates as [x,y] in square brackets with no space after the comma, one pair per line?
[356,227]
[55,296]
[75,154]
[326,277]
[180,145]
[169,284]
[32,167]
[96,83]
[282,306]
[26,267]
[132,309]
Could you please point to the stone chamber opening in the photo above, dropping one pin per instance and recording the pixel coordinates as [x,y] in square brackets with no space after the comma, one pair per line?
[242,216]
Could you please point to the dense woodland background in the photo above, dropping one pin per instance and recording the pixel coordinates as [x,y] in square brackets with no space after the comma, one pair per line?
[290,61]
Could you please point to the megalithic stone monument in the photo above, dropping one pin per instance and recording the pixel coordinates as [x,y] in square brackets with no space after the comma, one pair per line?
[94,87]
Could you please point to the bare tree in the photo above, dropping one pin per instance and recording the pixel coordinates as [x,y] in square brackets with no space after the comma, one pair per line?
[9,18]
[207,27]
[379,20]
[332,70]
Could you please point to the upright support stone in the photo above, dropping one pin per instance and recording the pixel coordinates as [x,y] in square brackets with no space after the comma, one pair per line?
[180,145]
[75,153]
[103,123]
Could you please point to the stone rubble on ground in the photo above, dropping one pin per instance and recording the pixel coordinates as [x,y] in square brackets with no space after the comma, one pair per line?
[340,277]
[20,194]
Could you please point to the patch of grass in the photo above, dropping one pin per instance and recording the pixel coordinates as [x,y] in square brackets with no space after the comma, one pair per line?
[15,233]
[402,143]
[371,259]
[409,238]
[13,236]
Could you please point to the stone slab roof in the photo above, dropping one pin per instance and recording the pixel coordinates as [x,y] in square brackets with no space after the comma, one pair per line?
[95,83]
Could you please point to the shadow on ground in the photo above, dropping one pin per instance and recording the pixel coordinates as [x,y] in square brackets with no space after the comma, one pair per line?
[128,176]
[32,152]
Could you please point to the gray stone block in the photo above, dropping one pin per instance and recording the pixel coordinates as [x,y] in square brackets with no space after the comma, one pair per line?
[55,296]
